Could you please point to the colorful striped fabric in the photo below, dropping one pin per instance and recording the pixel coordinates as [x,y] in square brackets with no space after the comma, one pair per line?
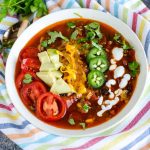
[133,133]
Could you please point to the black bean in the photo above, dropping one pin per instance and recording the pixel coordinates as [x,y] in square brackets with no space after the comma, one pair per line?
[105,91]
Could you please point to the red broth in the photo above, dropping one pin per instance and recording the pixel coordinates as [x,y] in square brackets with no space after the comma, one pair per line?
[76,116]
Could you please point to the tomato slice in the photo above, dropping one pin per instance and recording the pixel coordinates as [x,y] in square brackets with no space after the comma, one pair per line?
[29,52]
[30,64]
[20,78]
[51,107]
[31,92]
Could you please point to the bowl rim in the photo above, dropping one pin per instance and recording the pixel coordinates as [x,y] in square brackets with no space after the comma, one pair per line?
[62,15]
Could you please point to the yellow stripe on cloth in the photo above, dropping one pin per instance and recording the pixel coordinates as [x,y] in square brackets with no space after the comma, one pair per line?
[141,28]
[96,6]
[7,23]
[9,116]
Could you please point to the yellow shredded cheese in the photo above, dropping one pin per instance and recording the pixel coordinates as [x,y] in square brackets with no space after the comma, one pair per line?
[73,71]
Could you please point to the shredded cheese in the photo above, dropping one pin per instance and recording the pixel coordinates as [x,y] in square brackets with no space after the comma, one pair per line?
[72,69]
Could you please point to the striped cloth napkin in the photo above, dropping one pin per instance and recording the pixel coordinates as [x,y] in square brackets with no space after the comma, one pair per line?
[133,133]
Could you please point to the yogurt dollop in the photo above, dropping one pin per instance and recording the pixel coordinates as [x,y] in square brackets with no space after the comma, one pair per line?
[117,53]
[119,72]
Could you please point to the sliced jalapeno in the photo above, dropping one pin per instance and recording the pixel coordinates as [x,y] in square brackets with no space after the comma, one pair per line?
[94,52]
[99,63]
[96,79]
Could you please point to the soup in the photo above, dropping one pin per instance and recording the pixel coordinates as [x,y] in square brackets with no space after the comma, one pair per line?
[76,74]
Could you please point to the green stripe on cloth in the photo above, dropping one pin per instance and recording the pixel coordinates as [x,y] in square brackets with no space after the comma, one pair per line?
[66,142]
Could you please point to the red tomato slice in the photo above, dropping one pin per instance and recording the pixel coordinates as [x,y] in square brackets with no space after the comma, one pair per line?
[50,107]
[29,52]
[20,77]
[30,64]
[31,92]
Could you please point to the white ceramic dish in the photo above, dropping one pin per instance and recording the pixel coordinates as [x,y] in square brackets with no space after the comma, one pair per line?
[68,14]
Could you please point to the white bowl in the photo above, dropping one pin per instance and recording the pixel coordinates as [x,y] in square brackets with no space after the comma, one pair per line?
[67,14]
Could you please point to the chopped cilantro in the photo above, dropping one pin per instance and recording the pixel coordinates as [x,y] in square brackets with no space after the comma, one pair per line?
[82,124]
[54,35]
[126,46]
[134,68]
[86,107]
[74,35]
[86,46]
[90,35]
[82,40]
[95,41]
[94,29]
[71,25]
[27,78]
[93,25]
[22,7]
[71,121]
[44,43]
[117,38]
[100,47]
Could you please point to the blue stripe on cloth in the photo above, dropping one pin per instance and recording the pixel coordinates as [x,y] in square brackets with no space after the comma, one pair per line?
[116,9]
[41,140]
[99,1]
[11,125]
[2,87]
[2,74]
[70,3]
[122,1]
[147,42]
[138,139]
[2,31]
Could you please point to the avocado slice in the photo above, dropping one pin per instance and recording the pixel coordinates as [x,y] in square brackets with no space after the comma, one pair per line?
[47,67]
[47,77]
[43,57]
[61,87]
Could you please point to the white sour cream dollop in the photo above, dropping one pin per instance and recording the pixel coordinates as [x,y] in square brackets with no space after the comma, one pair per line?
[117,53]
[119,72]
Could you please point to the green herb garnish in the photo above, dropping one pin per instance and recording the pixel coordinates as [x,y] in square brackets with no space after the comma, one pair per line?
[22,7]
[82,124]
[94,29]
[82,40]
[74,35]
[44,43]
[100,47]
[71,25]
[27,78]
[117,38]
[134,68]
[90,35]
[54,35]
[86,46]
[71,121]
[126,46]
[86,107]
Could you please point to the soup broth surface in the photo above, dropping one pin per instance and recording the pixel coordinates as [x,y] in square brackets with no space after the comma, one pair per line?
[96,63]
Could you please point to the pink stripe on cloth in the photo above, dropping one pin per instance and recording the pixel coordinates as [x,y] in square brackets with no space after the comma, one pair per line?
[134,22]
[88,3]
[129,126]
[9,107]
[137,117]
[143,10]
